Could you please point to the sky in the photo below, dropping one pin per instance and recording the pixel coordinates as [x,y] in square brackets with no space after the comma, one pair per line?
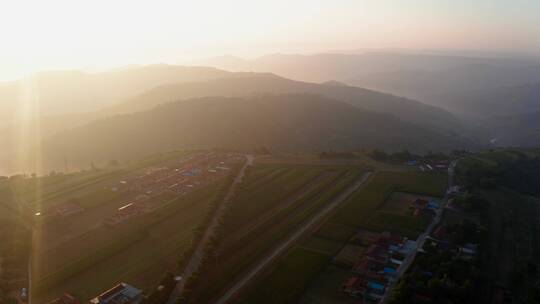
[73,34]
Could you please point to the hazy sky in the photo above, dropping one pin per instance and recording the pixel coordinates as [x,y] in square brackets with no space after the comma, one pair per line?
[57,34]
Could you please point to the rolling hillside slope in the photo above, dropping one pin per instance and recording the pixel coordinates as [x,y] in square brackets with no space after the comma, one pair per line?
[279,122]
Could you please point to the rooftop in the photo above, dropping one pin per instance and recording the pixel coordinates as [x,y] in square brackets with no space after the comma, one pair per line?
[120,294]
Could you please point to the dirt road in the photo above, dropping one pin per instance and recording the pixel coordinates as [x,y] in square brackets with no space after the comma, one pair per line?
[195,261]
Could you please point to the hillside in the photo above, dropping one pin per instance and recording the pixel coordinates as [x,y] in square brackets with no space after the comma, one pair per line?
[405,109]
[279,122]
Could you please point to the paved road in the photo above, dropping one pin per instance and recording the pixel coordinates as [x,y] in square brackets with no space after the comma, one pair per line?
[287,243]
[195,261]
[422,238]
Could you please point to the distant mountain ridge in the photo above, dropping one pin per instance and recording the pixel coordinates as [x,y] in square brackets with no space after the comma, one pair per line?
[500,101]
[60,92]
[431,78]
[255,83]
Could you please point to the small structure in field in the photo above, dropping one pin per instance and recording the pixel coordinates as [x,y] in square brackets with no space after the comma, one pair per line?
[120,294]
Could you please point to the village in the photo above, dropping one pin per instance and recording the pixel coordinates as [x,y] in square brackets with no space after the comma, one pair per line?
[146,190]
[376,267]
[157,185]
[136,194]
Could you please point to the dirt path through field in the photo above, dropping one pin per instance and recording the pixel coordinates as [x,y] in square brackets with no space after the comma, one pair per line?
[269,214]
[291,239]
[195,261]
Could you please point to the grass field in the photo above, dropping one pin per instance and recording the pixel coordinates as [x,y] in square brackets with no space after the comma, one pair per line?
[266,214]
[289,278]
[138,252]
[361,208]
[399,202]
[318,244]
[335,232]
[324,288]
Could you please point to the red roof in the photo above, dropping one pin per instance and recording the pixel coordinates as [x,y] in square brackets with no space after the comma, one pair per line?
[350,282]
[420,202]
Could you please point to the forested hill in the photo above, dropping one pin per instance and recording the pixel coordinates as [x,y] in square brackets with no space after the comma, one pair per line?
[518,170]
[298,122]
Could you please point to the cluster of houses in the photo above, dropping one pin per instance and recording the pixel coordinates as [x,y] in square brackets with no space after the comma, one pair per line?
[150,190]
[424,208]
[177,178]
[377,267]
[441,241]
[121,293]
[438,165]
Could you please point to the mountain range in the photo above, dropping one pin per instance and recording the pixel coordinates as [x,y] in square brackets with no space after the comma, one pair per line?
[131,112]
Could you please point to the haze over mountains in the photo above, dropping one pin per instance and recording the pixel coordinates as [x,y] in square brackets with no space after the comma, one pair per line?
[60,92]
[478,88]
[127,113]
[443,80]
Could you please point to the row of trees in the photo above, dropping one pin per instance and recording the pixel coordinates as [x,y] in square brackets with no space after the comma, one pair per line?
[162,293]
[405,155]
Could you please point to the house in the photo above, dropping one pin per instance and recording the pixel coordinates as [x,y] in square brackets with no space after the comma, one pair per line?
[419,203]
[433,204]
[468,251]
[120,294]
[411,163]
[376,288]
[355,287]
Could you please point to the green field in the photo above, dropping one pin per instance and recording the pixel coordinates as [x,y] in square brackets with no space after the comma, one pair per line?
[289,278]
[137,252]
[266,212]
[335,232]
[361,210]
[324,289]
[318,244]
